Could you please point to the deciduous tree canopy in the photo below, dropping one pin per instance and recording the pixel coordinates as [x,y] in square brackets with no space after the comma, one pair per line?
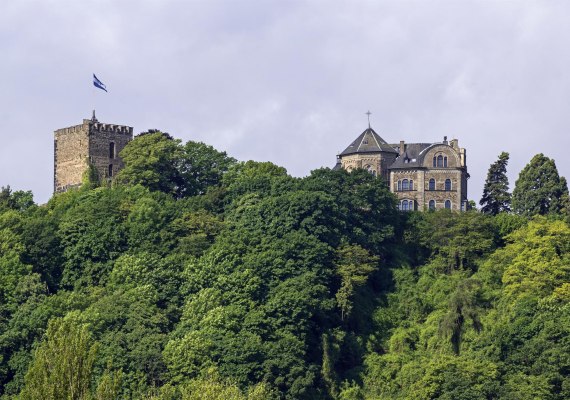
[195,276]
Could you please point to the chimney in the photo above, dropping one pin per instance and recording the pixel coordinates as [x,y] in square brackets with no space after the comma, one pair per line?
[402,147]
[445,140]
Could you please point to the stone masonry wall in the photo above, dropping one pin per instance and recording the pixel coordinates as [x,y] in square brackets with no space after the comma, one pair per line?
[77,146]
[375,163]
[420,193]
[71,152]
[100,138]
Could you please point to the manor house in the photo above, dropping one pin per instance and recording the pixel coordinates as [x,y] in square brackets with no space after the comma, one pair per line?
[422,175]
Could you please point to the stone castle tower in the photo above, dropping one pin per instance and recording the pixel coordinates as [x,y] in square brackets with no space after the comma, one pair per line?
[422,175]
[91,143]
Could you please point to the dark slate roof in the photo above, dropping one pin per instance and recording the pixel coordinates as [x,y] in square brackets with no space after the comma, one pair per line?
[412,156]
[338,165]
[368,142]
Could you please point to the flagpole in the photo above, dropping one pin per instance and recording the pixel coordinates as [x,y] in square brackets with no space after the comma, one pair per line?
[93,96]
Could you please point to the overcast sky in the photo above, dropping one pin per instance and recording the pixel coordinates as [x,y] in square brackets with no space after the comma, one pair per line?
[288,81]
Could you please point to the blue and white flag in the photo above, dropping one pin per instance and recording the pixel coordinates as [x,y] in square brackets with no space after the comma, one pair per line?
[98,83]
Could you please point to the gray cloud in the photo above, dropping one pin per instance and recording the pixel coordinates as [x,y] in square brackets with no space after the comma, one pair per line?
[287,81]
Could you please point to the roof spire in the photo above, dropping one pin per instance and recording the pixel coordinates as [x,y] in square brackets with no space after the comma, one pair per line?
[94,118]
[368,114]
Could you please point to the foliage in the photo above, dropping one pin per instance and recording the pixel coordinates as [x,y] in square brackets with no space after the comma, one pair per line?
[157,161]
[19,200]
[354,265]
[195,276]
[539,190]
[496,197]
[63,364]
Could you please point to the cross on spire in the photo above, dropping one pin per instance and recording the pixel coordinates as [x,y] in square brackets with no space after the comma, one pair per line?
[368,114]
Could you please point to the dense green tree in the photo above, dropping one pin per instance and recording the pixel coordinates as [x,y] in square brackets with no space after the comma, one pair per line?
[496,197]
[236,280]
[202,167]
[151,160]
[539,190]
[19,200]
[354,265]
[63,364]
[157,161]
[457,241]
[463,308]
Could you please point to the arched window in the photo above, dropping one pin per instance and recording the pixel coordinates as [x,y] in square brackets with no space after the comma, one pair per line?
[432,184]
[440,161]
[432,204]
[448,184]
[411,186]
[405,184]
[448,204]
[112,150]
[434,158]
[110,170]
[405,205]
[445,162]
[399,186]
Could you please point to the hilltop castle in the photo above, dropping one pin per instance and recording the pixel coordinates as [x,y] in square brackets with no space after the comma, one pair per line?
[91,143]
[422,175]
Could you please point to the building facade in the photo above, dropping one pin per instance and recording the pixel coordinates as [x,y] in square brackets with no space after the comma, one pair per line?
[91,143]
[422,175]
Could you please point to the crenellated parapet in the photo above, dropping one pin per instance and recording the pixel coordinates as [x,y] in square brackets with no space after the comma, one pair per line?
[111,128]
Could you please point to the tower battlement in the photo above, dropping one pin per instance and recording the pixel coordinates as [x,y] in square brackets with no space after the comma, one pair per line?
[111,128]
[91,143]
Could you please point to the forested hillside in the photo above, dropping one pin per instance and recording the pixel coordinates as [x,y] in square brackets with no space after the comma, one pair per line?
[194,276]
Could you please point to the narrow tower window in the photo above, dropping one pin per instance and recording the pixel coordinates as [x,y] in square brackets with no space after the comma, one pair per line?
[448,185]
[434,158]
[432,204]
[110,170]
[445,162]
[112,150]
[440,161]
[405,184]
[432,184]
[448,204]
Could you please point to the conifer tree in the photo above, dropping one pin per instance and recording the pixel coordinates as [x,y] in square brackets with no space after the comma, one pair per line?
[496,197]
[539,190]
